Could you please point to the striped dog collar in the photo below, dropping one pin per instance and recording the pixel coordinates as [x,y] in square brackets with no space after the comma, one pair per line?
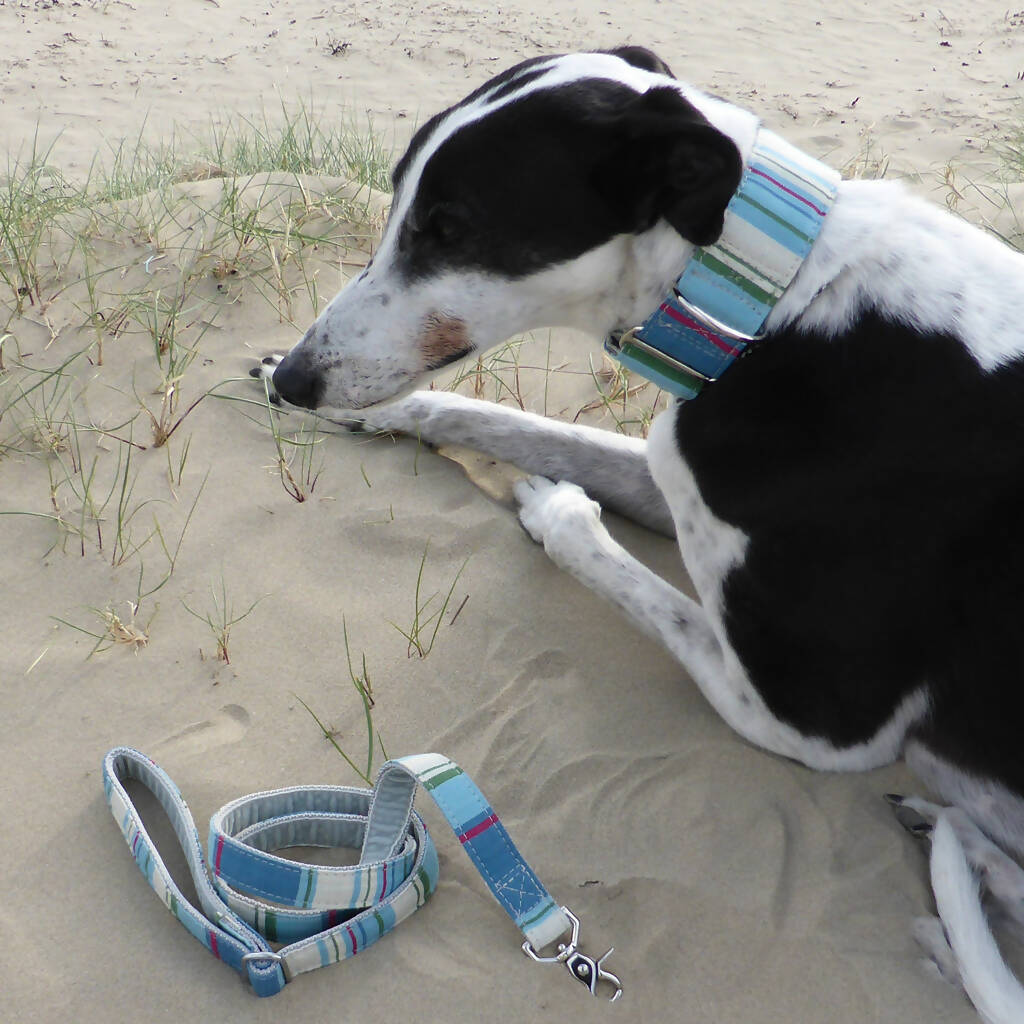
[725,295]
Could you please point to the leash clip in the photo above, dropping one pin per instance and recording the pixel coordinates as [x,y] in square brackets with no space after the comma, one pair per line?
[585,969]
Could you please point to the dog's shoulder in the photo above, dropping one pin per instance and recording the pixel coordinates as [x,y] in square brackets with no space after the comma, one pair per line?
[884,249]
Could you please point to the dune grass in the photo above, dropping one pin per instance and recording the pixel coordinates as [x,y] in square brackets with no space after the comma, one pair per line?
[421,634]
[221,617]
[364,688]
[44,215]
[112,294]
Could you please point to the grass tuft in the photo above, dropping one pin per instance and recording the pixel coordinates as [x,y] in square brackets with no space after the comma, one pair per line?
[419,636]
[221,618]
[361,682]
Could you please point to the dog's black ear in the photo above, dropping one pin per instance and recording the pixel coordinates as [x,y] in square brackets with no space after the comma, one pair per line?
[641,57]
[667,161]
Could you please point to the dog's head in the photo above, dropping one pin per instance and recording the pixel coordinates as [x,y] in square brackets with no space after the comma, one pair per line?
[518,208]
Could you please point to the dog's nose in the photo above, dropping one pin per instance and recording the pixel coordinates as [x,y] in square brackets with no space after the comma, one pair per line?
[296,382]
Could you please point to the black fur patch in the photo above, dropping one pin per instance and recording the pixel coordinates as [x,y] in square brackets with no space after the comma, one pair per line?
[880,478]
[496,84]
[560,171]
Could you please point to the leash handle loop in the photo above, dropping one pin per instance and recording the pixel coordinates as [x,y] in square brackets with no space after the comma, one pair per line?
[223,933]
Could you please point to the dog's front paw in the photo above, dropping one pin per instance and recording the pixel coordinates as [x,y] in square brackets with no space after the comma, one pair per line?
[546,507]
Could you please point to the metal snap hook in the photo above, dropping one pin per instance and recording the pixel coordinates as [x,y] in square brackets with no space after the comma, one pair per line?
[589,972]
[585,969]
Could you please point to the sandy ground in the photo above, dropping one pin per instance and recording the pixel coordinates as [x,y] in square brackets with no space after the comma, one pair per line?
[735,886]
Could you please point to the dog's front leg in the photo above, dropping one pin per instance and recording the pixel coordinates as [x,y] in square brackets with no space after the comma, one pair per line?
[562,518]
[610,467]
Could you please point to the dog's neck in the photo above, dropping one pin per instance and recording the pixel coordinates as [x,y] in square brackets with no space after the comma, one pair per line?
[720,302]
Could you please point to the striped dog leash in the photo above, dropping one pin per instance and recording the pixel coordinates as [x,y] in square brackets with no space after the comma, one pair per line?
[319,914]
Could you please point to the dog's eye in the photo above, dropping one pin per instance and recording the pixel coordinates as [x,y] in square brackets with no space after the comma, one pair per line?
[435,227]
[447,222]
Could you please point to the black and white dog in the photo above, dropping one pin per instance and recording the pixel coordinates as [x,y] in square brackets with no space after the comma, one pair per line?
[848,499]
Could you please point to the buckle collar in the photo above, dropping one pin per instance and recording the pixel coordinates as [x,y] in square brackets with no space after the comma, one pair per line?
[722,300]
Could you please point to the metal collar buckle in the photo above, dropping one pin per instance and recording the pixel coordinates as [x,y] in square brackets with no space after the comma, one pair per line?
[585,969]
[717,326]
[632,337]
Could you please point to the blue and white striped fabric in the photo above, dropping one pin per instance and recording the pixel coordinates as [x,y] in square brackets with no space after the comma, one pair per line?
[771,224]
[323,914]
[483,837]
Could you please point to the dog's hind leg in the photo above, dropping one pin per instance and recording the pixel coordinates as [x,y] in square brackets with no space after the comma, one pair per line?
[612,469]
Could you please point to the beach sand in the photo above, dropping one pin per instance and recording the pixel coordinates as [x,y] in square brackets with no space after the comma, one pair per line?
[735,886]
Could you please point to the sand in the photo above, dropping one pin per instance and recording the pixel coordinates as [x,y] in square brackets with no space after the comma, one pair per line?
[735,886]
